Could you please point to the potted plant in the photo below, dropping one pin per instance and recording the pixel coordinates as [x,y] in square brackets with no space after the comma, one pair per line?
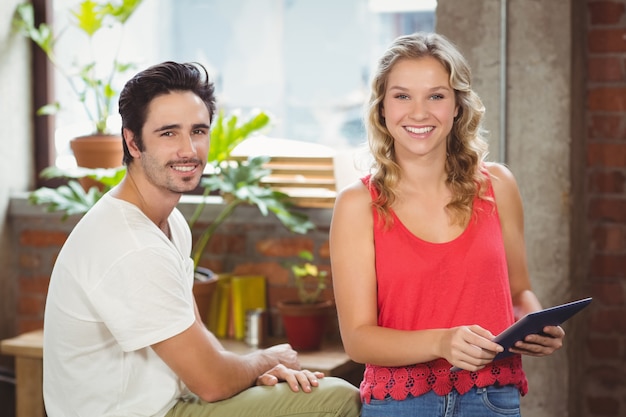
[306,318]
[92,84]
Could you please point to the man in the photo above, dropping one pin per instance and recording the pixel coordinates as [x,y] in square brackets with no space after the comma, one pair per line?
[122,334]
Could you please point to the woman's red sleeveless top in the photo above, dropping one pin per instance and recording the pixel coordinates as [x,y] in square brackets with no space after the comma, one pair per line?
[424,285]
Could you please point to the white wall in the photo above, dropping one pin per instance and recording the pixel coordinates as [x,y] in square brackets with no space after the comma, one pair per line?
[16,150]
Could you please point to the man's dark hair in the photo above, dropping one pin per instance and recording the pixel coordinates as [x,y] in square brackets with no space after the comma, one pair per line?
[157,80]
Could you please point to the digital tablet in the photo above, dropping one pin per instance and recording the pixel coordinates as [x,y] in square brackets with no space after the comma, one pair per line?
[533,323]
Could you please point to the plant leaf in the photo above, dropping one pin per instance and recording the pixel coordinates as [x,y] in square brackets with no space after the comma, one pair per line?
[124,11]
[24,22]
[87,17]
[70,198]
[229,131]
[49,109]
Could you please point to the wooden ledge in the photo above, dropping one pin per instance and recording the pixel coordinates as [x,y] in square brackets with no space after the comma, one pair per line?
[28,345]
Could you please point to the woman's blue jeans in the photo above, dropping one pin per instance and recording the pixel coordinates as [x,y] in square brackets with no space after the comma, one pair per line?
[493,401]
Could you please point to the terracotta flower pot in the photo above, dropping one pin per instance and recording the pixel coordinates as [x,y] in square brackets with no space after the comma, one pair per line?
[203,292]
[97,151]
[305,324]
[204,286]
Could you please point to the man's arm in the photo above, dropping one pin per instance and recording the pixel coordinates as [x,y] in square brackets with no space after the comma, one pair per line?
[214,374]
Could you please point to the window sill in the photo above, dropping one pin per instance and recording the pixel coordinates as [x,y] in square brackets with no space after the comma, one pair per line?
[320,216]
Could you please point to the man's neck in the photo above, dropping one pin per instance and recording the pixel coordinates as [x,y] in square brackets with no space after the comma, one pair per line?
[155,204]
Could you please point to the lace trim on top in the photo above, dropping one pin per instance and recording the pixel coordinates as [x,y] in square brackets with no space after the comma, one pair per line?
[398,383]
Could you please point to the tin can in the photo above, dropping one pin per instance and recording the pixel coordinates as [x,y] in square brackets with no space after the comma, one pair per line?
[256,327]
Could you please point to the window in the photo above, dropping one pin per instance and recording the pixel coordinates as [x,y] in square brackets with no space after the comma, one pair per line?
[306,62]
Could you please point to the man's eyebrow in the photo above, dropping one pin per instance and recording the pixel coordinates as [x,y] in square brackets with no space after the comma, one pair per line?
[177,126]
[167,127]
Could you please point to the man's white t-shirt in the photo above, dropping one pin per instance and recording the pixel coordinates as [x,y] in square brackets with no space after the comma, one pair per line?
[119,285]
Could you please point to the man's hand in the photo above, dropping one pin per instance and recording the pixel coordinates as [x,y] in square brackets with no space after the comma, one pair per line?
[295,378]
[285,355]
[288,370]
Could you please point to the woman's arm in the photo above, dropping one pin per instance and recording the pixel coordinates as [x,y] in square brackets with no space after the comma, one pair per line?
[510,209]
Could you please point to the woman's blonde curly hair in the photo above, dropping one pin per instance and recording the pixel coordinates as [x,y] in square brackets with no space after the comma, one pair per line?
[466,146]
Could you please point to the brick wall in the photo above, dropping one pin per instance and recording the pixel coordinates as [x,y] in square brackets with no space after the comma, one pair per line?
[605,370]
[247,243]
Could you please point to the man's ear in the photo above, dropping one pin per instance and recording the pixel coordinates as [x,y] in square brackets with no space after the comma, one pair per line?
[129,138]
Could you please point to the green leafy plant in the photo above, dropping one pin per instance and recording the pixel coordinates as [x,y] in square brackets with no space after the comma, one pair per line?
[92,85]
[72,198]
[309,279]
[240,183]
[228,131]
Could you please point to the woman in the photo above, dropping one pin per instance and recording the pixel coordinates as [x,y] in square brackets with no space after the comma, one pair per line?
[427,252]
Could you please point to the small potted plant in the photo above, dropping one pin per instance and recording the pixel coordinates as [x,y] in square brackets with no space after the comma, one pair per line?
[306,318]
[92,83]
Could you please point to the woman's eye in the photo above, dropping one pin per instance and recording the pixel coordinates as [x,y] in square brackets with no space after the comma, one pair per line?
[402,96]
[437,97]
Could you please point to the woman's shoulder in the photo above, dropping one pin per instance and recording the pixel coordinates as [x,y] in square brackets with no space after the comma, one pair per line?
[352,211]
[504,184]
[497,170]
[354,197]
[500,175]
[356,190]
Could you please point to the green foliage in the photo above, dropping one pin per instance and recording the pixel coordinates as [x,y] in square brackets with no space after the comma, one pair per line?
[240,183]
[310,280]
[95,93]
[229,131]
[72,198]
